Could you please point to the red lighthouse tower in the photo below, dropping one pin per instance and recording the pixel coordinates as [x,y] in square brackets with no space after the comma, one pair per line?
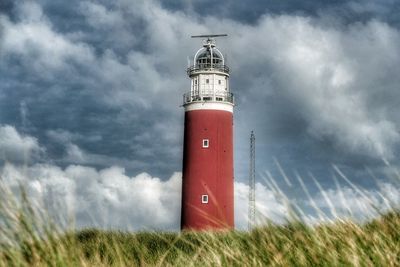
[207,190]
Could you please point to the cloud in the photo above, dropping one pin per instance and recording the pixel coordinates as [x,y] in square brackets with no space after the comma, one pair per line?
[268,205]
[98,16]
[110,199]
[74,80]
[36,43]
[15,147]
[317,73]
[107,198]
[76,155]
[250,11]
[356,203]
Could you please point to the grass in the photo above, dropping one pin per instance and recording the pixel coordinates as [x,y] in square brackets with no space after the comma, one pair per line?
[29,238]
[376,243]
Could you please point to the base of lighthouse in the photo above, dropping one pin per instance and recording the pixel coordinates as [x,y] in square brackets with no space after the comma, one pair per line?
[208,197]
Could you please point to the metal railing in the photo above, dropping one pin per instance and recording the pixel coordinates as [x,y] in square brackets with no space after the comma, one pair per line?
[207,67]
[204,97]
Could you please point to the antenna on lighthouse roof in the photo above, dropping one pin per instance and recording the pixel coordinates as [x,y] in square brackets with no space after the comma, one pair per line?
[208,39]
[209,35]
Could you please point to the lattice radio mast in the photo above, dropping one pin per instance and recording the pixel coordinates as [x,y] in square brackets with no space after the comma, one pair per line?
[252,181]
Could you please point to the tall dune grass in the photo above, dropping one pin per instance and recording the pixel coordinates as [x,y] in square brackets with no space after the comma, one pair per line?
[29,237]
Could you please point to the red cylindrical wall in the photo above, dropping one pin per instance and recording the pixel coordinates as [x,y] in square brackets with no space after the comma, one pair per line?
[208,171]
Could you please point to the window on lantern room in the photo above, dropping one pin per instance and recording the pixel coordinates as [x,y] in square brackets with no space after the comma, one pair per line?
[207,80]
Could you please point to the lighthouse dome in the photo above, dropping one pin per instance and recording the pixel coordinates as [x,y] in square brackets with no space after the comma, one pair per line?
[209,57]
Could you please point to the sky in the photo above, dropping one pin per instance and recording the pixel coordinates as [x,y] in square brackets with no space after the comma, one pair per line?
[91,95]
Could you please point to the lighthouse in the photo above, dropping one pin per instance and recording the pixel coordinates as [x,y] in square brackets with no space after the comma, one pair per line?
[208,179]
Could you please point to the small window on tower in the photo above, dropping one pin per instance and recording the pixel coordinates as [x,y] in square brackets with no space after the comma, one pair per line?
[204,199]
[219,81]
[206,143]
[195,81]
[207,80]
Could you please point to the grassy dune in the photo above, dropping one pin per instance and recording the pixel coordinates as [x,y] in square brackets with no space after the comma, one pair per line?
[376,243]
[28,238]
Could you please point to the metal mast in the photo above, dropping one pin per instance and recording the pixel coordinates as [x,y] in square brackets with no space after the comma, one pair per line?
[252,181]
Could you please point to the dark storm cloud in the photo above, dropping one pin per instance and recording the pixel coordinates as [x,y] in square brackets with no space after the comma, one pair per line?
[251,11]
[88,89]
[317,95]
[6,6]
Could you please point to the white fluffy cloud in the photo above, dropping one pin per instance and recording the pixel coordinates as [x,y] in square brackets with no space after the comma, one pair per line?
[107,198]
[110,199]
[356,203]
[268,206]
[16,147]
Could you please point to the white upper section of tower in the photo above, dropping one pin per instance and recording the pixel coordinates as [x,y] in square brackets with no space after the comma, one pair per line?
[209,76]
